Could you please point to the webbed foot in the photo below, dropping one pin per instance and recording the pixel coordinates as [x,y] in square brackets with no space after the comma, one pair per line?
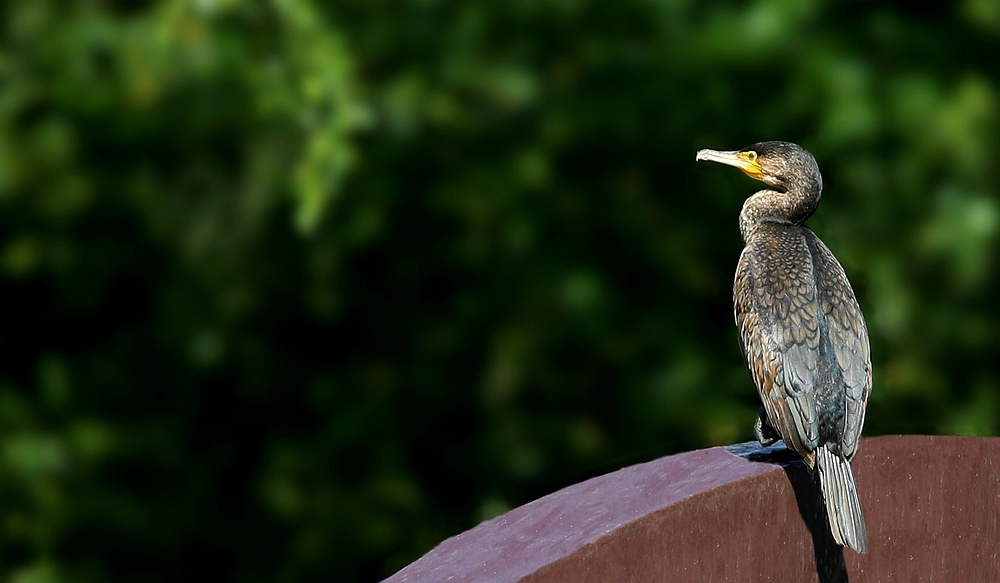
[763,430]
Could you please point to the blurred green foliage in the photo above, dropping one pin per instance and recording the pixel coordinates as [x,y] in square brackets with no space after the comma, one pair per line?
[294,290]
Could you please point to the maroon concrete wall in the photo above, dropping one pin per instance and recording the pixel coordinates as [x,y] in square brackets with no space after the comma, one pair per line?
[932,505]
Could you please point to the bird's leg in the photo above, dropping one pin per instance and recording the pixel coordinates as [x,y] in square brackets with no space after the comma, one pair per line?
[763,430]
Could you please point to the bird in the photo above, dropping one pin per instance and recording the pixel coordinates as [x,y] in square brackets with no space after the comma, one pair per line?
[801,330]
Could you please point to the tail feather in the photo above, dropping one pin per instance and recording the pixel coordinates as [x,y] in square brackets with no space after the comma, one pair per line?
[840,494]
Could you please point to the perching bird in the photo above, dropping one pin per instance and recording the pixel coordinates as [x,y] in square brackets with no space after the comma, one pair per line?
[801,330]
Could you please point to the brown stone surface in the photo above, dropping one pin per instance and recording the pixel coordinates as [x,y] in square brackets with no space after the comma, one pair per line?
[932,505]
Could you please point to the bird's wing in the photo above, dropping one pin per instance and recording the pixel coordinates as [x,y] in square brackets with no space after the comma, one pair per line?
[848,335]
[777,314]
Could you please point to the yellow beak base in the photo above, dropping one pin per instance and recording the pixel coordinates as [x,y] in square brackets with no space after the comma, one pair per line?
[744,160]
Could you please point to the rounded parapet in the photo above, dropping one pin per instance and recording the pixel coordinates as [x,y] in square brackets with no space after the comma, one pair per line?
[745,513]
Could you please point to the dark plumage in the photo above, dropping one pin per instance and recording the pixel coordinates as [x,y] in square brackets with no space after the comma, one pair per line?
[800,327]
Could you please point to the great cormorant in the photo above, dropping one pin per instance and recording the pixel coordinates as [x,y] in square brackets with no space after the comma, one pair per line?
[801,330]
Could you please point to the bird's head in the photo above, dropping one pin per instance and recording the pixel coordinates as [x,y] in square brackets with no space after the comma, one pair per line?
[781,165]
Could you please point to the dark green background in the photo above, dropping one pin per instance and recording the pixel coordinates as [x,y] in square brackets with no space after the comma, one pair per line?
[293,290]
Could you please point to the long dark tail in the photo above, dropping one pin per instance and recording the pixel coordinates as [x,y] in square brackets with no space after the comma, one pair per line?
[840,494]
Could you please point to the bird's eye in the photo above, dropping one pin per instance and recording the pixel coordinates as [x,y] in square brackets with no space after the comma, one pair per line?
[752,156]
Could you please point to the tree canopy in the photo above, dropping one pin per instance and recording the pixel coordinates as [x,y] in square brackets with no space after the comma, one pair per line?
[295,289]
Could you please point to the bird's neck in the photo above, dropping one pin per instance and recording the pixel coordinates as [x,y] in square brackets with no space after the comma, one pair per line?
[791,207]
